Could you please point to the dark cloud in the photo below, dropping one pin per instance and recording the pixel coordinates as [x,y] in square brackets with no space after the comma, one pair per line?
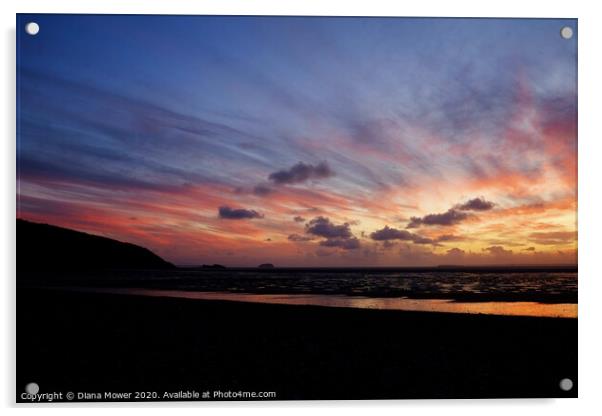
[476,204]
[335,235]
[262,190]
[301,172]
[299,219]
[344,243]
[387,234]
[297,237]
[228,213]
[322,227]
[451,217]
[529,249]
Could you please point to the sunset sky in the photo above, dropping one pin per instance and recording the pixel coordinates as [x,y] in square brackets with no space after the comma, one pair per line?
[303,141]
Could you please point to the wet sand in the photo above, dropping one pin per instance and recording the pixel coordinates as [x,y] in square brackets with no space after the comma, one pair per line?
[85,342]
[516,308]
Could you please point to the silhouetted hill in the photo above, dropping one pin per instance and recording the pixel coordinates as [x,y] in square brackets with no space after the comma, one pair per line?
[43,247]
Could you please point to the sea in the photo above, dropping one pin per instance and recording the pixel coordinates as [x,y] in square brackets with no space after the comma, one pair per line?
[541,292]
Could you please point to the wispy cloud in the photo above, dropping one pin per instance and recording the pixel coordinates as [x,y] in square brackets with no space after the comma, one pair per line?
[335,139]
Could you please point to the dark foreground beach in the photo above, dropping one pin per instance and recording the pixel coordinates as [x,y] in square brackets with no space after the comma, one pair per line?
[97,343]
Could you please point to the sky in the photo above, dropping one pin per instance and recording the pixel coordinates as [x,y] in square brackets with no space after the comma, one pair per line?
[303,141]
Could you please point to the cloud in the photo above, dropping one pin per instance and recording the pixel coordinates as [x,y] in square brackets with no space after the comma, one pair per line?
[58,170]
[388,244]
[114,152]
[322,227]
[553,237]
[344,243]
[476,204]
[455,252]
[301,172]
[451,217]
[228,213]
[423,240]
[449,237]
[387,234]
[262,190]
[529,249]
[498,251]
[297,237]
[504,242]
[299,219]
[335,235]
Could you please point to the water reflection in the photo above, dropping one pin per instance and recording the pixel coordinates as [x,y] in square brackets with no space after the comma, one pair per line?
[557,310]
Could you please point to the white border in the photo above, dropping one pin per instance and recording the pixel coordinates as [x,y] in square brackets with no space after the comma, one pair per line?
[590,207]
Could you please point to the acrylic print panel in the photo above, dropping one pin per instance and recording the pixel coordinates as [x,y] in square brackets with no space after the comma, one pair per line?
[275,208]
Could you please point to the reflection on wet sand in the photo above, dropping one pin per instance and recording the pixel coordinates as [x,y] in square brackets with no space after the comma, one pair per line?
[557,310]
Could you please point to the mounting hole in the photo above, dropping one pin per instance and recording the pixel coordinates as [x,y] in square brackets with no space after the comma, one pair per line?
[566,384]
[32,388]
[566,32]
[32,28]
